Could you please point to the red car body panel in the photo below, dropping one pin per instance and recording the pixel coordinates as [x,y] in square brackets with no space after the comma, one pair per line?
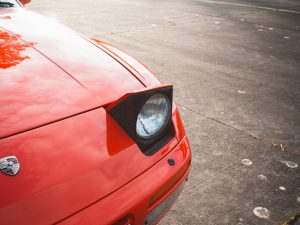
[50,59]
[69,170]
[134,197]
[78,166]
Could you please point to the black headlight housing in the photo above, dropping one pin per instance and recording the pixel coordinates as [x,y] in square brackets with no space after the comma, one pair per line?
[126,111]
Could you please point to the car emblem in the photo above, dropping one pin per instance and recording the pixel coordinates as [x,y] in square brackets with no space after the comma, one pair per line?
[9,165]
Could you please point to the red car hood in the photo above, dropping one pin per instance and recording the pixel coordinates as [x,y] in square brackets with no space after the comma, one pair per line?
[69,165]
[48,72]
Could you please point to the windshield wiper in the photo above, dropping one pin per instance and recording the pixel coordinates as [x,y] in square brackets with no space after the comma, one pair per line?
[6,4]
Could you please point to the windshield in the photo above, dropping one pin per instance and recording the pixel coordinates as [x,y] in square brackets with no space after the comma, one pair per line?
[8,3]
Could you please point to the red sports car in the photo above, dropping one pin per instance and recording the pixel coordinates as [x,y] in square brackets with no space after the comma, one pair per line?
[88,135]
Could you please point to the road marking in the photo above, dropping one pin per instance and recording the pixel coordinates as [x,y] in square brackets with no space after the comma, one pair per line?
[251,6]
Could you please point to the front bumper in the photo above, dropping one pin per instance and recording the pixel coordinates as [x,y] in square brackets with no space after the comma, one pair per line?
[147,197]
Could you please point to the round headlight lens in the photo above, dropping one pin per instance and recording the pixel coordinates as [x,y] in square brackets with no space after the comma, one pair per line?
[153,116]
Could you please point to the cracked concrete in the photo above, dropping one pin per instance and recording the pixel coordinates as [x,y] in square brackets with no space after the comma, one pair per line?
[277,146]
[235,71]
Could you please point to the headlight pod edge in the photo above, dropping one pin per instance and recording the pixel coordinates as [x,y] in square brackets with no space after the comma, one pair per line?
[151,109]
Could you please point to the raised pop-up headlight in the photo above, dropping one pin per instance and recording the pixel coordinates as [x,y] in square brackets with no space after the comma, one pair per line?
[146,117]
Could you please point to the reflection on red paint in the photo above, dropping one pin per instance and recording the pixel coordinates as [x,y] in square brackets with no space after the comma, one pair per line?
[11,48]
[5,17]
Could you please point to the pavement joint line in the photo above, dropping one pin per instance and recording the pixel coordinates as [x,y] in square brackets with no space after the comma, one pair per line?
[250,6]
[268,142]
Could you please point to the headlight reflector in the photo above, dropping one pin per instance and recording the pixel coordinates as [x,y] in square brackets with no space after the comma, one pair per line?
[154,116]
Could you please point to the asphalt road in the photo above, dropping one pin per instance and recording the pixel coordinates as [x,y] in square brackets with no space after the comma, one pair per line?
[235,66]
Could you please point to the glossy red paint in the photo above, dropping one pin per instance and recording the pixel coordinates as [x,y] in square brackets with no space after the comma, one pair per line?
[24,2]
[133,198]
[11,49]
[139,70]
[61,164]
[78,166]
[57,55]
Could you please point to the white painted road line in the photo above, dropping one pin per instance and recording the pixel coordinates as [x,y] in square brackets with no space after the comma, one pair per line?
[250,6]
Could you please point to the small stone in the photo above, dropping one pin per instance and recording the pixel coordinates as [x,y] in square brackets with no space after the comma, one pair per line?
[282,188]
[298,199]
[241,92]
[262,177]
[290,164]
[261,212]
[246,162]
[286,37]
[217,153]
